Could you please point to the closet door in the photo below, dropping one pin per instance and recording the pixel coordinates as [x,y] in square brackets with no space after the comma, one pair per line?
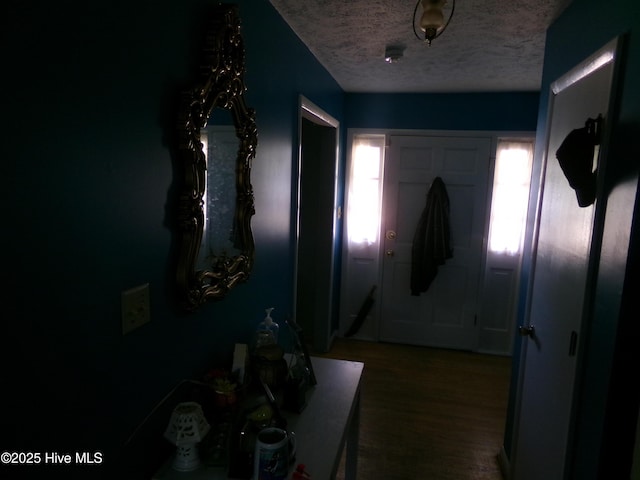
[559,300]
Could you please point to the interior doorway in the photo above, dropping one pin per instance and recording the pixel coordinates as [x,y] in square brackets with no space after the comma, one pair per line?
[317,214]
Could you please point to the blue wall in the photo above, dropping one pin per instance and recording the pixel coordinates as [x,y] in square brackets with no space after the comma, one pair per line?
[89,93]
[607,403]
[513,111]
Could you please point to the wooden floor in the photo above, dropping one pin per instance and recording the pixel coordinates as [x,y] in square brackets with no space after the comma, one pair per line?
[428,413]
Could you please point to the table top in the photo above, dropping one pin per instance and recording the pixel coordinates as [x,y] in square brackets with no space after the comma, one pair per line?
[321,429]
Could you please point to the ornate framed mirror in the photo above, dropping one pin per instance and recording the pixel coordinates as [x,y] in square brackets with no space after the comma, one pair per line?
[217,139]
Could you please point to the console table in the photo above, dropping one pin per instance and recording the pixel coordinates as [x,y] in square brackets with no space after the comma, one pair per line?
[328,423]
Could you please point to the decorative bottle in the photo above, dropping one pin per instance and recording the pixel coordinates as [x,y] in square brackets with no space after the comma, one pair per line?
[267,331]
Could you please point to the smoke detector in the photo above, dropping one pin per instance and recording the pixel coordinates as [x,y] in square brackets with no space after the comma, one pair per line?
[393,53]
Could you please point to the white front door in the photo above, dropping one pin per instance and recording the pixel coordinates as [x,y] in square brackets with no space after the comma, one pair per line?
[445,315]
[558,302]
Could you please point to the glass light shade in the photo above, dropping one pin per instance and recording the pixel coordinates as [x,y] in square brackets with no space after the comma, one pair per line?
[432,18]
[432,21]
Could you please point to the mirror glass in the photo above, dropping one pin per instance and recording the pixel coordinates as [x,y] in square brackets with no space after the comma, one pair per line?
[220,146]
[217,140]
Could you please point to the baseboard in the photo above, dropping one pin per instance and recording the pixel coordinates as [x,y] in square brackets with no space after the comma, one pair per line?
[498,353]
[504,464]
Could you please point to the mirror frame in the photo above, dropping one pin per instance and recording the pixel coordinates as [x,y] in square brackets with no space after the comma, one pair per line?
[220,84]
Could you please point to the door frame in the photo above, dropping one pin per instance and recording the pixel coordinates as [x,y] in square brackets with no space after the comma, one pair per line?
[495,135]
[323,333]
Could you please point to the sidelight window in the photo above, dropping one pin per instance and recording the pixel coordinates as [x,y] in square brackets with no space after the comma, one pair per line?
[365,189]
[512,179]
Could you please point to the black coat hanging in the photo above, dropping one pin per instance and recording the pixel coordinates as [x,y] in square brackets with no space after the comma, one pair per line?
[432,239]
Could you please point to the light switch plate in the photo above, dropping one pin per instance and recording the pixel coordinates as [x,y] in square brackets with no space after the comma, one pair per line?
[135,308]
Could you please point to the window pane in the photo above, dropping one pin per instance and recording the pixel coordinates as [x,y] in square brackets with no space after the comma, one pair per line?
[510,196]
[363,216]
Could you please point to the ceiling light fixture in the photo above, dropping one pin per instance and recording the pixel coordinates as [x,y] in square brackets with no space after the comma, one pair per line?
[432,22]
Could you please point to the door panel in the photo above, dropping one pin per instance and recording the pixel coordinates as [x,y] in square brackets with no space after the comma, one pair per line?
[559,304]
[444,315]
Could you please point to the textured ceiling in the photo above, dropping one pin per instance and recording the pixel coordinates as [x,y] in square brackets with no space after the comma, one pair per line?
[489,45]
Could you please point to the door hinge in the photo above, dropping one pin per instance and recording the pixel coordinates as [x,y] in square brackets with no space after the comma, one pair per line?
[573,343]
[475,320]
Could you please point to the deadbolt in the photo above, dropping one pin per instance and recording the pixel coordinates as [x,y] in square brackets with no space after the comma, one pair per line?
[527,331]
[391,235]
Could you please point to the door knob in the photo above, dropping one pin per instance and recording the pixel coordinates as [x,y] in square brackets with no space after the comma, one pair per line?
[390,253]
[527,331]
